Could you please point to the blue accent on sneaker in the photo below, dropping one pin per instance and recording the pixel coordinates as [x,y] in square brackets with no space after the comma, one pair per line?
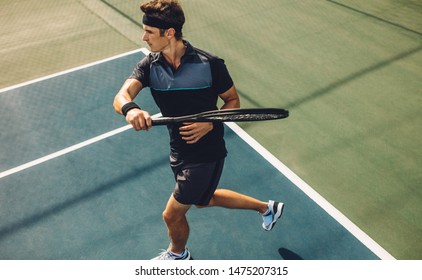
[276,210]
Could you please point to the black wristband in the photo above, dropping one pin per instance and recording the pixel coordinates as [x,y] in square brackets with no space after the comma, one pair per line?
[129,106]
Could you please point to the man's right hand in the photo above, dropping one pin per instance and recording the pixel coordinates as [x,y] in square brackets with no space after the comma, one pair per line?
[139,119]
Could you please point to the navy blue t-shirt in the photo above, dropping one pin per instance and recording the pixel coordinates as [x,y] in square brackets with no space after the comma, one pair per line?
[192,88]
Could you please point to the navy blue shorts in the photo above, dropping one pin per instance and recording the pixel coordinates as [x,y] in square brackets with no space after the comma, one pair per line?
[196,182]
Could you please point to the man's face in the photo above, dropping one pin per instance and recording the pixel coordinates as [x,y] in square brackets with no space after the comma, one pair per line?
[152,37]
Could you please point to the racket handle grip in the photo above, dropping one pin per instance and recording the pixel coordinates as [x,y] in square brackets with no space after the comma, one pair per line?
[162,121]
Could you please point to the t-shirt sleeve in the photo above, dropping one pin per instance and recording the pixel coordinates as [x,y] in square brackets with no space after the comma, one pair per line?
[221,79]
[141,71]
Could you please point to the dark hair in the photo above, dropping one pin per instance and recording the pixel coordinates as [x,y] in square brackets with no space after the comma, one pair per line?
[166,10]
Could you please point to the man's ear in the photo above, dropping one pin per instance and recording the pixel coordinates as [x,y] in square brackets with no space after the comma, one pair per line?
[170,32]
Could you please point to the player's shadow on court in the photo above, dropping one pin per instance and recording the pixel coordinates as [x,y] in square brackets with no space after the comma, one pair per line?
[286,254]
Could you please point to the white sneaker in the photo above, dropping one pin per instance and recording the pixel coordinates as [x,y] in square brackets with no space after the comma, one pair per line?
[169,255]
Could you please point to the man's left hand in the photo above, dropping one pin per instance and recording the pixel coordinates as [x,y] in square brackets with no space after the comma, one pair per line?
[193,132]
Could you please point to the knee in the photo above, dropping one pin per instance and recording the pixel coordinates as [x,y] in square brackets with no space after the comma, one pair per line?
[170,217]
[167,216]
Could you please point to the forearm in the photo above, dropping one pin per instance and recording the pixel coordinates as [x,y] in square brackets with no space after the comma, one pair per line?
[126,94]
[118,103]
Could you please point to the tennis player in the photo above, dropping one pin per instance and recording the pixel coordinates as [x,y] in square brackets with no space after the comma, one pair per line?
[185,80]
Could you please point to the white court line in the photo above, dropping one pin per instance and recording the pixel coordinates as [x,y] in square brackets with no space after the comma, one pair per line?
[82,144]
[63,152]
[144,50]
[311,193]
[68,150]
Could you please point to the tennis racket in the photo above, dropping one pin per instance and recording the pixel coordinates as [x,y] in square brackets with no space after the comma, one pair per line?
[227,115]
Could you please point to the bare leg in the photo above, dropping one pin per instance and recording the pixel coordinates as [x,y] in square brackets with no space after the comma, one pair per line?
[230,199]
[178,229]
